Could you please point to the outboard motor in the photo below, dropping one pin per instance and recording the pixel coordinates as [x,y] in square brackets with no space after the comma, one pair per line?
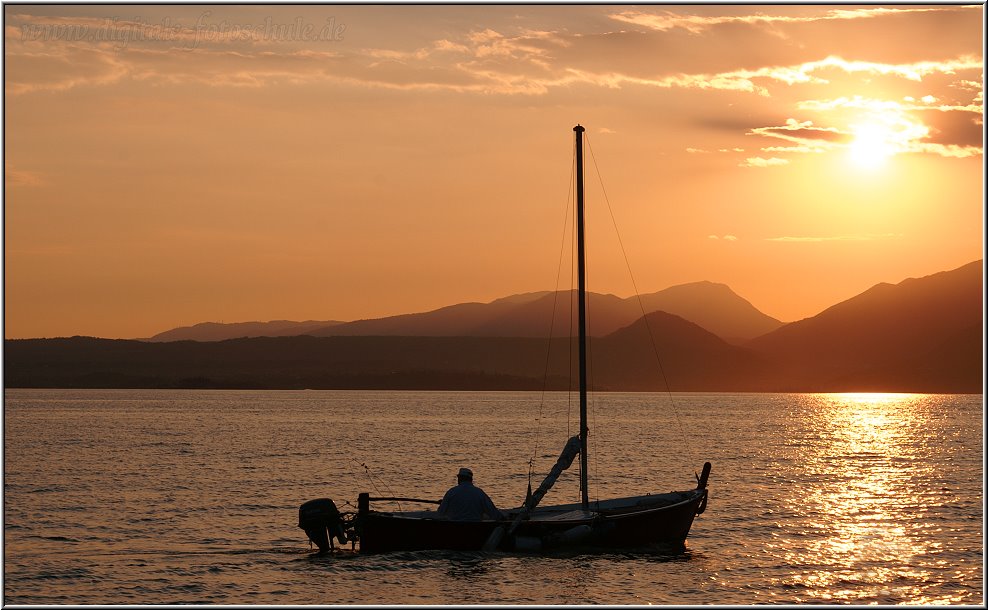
[321,521]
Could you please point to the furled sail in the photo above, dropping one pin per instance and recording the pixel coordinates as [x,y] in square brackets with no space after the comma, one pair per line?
[570,451]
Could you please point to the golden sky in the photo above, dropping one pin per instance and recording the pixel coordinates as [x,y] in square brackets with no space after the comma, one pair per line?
[168,165]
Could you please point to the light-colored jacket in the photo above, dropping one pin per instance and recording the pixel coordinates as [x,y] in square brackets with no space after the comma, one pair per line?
[465,502]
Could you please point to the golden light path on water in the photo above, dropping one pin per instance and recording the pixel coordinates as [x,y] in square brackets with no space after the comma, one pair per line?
[871,463]
[175,496]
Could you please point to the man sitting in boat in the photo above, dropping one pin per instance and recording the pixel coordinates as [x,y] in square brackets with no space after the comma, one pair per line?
[465,502]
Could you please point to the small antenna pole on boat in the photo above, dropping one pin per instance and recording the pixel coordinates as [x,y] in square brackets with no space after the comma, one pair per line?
[582,309]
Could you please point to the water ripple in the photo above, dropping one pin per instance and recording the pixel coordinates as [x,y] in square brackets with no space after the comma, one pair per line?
[140,497]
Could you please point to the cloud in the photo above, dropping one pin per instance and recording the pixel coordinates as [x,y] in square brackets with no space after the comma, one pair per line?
[804,137]
[858,102]
[62,69]
[448,46]
[747,80]
[19,177]
[697,24]
[858,237]
[525,63]
[916,71]
[532,62]
[760,162]
[701,151]
[928,125]
[801,132]
[801,150]
[948,150]
[486,61]
[723,238]
[483,62]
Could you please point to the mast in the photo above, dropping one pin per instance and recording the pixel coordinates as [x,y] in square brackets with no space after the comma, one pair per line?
[582,309]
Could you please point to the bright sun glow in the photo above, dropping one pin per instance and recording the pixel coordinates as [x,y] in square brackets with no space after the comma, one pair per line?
[872,146]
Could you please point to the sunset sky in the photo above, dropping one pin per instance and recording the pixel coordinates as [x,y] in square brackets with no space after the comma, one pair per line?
[169,165]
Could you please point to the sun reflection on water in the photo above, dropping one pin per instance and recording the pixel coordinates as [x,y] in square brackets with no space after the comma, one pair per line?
[868,458]
[877,397]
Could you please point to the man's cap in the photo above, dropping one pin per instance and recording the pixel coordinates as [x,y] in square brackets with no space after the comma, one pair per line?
[465,473]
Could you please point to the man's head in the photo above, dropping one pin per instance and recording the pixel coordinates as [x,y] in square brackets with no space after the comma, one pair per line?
[464,475]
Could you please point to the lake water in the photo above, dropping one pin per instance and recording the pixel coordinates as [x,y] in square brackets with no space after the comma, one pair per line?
[141,497]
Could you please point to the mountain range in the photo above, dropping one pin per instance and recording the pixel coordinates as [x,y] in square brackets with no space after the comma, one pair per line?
[921,335]
[714,307]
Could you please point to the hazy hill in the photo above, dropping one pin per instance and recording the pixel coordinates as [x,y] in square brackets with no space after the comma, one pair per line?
[464,319]
[218,331]
[693,359]
[712,306]
[518,316]
[922,334]
[275,362]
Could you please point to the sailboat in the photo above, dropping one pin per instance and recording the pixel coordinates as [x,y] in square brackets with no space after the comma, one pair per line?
[629,522]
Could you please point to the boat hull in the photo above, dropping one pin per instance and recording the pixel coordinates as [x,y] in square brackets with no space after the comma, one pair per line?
[636,522]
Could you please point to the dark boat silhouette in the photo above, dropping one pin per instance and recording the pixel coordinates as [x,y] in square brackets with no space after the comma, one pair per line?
[631,522]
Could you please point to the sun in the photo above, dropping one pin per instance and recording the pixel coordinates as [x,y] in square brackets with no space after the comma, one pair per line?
[872,146]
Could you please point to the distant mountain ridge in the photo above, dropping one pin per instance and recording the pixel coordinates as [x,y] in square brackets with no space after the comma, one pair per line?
[623,360]
[219,331]
[712,306]
[921,335]
[888,335]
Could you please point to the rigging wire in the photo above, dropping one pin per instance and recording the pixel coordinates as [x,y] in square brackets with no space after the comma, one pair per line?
[373,484]
[591,394]
[641,306]
[552,320]
[572,297]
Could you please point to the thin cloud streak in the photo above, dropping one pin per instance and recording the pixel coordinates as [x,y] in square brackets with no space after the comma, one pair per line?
[19,177]
[697,24]
[762,162]
[474,79]
[862,237]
